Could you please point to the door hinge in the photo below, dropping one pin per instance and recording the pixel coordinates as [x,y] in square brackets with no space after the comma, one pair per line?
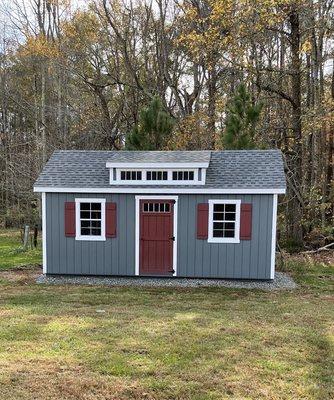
[172,238]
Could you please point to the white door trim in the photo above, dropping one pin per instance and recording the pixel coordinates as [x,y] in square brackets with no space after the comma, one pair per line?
[137,230]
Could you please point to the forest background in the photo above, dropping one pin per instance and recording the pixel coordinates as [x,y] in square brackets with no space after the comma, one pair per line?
[171,75]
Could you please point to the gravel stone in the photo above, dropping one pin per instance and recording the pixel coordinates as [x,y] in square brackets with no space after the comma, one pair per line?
[281,281]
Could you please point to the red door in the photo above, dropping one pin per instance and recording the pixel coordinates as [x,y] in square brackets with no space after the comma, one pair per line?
[156,237]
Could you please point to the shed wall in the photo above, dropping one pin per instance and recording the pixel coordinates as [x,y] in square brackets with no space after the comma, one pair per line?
[249,259]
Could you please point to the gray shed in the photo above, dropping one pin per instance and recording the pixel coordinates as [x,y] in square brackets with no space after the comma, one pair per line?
[209,214]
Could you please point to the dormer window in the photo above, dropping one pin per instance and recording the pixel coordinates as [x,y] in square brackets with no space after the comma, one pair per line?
[156,175]
[158,168]
[183,175]
[131,175]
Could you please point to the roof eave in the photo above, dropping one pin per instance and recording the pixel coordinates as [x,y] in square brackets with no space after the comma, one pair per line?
[203,190]
[167,165]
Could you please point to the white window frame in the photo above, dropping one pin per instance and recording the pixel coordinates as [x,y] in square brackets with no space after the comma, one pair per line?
[236,238]
[78,235]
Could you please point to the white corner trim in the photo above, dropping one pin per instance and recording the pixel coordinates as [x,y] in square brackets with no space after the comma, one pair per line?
[236,238]
[78,236]
[273,238]
[143,190]
[157,165]
[137,230]
[44,232]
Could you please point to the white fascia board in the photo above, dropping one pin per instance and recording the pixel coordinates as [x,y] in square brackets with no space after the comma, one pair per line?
[162,165]
[39,189]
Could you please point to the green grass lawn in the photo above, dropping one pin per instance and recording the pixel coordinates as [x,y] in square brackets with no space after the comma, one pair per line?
[72,342]
[11,251]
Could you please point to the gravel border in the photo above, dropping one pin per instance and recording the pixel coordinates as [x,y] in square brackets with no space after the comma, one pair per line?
[281,281]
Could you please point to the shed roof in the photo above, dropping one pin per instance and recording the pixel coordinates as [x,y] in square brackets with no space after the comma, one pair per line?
[159,156]
[229,169]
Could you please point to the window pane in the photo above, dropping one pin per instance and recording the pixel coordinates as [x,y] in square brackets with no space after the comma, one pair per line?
[229,234]
[179,175]
[96,232]
[219,207]
[165,176]
[191,175]
[218,225]
[167,207]
[85,214]
[185,175]
[174,176]
[154,175]
[123,175]
[156,207]
[84,206]
[95,224]
[218,233]
[145,207]
[151,207]
[96,206]
[85,231]
[218,216]
[139,175]
[229,225]
[230,207]
[96,215]
[85,224]
[230,216]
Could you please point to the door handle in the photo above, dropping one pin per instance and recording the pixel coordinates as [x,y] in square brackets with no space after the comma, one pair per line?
[172,238]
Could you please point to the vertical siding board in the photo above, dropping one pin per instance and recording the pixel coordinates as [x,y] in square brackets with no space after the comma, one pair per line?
[255,236]
[245,264]
[122,235]
[131,232]
[190,237]
[49,236]
[269,236]
[263,236]
[182,243]
[199,244]
[55,234]
[214,258]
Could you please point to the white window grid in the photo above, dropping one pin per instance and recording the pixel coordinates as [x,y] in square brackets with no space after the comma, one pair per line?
[236,237]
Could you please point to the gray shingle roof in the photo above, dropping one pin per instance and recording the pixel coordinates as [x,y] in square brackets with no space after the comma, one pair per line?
[229,169]
[159,156]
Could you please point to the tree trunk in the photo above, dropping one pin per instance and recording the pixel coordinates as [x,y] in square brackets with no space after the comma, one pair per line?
[295,211]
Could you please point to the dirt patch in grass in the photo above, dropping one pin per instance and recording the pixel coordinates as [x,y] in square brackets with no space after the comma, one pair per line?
[43,379]
[22,275]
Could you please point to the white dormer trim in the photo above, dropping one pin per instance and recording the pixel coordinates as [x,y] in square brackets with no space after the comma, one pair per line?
[165,165]
[116,169]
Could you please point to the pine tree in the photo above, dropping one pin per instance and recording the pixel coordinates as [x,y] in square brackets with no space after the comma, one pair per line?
[242,117]
[155,126]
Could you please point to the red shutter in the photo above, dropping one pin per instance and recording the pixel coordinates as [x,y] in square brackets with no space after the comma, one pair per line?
[111,219]
[70,218]
[202,220]
[246,221]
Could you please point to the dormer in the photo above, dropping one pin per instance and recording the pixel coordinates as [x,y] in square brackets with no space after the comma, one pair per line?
[158,168]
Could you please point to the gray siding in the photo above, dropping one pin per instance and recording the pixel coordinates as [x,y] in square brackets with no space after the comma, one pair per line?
[196,258]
